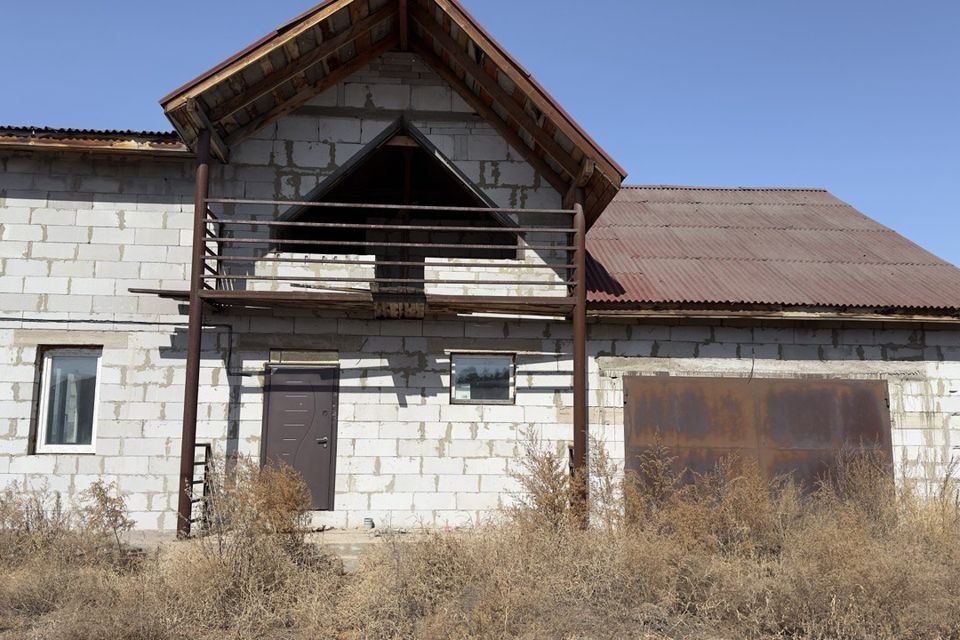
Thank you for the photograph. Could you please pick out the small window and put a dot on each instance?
(482, 379)
(68, 401)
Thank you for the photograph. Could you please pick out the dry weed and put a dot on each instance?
(726, 555)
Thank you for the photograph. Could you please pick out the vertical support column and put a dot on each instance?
(194, 336)
(580, 426)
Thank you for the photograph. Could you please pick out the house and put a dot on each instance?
(377, 249)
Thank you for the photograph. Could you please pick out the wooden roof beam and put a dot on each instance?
(403, 14)
(360, 9)
(520, 77)
(273, 81)
(487, 112)
(355, 64)
(498, 93)
(201, 121)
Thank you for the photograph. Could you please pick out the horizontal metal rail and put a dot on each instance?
(381, 280)
(393, 263)
(397, 227)
(390, 207)
(416, 245)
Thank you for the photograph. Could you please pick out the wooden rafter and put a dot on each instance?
(275, 80)
(508, 67)
(200, 121)
(175, 101)
(404, 17)
(497, 92)
(297, 100)
(487, 112)
(358, 11)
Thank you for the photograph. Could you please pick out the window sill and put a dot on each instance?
(66, 450)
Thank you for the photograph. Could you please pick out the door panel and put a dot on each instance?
(787, 426)
(300, 427)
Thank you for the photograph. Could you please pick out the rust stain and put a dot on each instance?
(787, 426)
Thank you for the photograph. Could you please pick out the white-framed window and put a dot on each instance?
(69, 395)
(477, 378)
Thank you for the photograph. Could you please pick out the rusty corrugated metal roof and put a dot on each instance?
(115, 140)
(739, 246)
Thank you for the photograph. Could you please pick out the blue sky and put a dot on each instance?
(859, 96)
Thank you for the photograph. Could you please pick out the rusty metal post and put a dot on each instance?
(580, 426)
(194, 337)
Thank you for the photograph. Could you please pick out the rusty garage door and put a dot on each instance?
(793, 426)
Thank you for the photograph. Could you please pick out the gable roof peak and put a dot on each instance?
(323, 46)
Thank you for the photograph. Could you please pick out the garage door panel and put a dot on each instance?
(691, 413)
(787, 426)
(804, 465)
(797, 417)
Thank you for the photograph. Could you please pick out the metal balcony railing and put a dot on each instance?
(518, 253)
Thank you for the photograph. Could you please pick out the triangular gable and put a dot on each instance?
(330, 42)
(401, 129)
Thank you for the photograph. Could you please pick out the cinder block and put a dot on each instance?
(468, 448)
(21, 232)
(46, 285)
(252, 151)
(432, 501)
(74, 235)
(293, 127)
(478, 501)
(418, 447)
(442, 465)
(93, 286)
(340, 130)
(412, 483)
(486, 147)
(461, 413)
(391, 501)
(486, 466)
(312, 155)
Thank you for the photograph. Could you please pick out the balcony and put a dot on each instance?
(389, 260)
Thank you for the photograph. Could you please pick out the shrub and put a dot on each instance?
(728, 554)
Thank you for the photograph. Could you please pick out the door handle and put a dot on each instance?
(323, 441)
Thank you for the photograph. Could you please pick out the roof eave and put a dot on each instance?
(757, 312)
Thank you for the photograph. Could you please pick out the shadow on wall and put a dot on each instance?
(775, 340)
(241, 358)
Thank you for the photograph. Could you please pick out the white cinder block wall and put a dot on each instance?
(76, 232)
(405, 455)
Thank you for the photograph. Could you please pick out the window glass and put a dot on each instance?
(482, 378)
(68, 409)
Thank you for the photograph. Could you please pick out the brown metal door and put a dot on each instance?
(301, 426)
(788, 426)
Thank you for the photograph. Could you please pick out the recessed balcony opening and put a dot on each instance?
(402, 167)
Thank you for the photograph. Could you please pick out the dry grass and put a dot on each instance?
(729, 555)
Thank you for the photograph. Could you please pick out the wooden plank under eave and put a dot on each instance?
(253, 56)
(517, 76)
(404, 18)
(301, 97)
(485, 111)
(492, 86)
(360, 9)
(277, 78)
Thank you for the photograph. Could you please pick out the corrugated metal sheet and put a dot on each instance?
(113, 140)
(89, 134)
(797, 247)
